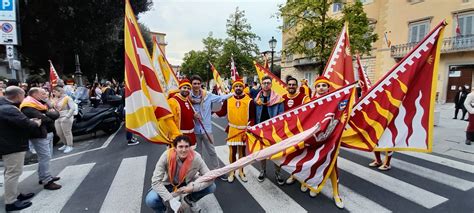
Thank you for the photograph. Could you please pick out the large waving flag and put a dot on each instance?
(339, 69)
(53, 75)
(146, 107)
(217, 78)
(277, 84)
(396, 114)
(164, 72)
(364, 81)
(310, 161)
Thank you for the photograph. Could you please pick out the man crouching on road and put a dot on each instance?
(174, 175)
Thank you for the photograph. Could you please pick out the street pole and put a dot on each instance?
(271, 66)
(272, 44)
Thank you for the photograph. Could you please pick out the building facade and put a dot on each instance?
(400, 25)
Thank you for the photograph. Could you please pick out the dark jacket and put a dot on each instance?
(47, 121)
(15, 128)
(460, 98)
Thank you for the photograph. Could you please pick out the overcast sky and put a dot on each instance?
(187, 22)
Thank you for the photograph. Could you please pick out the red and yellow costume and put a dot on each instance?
(305, 89)
(292, 101)
(240, 111)
(183, 113)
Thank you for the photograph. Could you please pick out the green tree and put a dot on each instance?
(313, 32)
(196, 63)
(59, 29)
(240, 44)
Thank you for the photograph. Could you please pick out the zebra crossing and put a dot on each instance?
(128, 189)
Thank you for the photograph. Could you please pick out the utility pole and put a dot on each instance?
(9, 34)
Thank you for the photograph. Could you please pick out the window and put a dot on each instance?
(289, 57)
(466, 23)
(418, 30)
(465, 1)
(310, 77)
(336, 7)
(364, 2)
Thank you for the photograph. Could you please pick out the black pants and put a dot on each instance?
(464, 111)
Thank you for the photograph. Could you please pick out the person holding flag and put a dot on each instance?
(322, 86)
(268, 104)
(183, 111)
(240, 111)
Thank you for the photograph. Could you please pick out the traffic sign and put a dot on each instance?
(10, 52)
(8, 33)
(8, 10)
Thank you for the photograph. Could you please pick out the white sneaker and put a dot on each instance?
(33, 151)
(68, 149)
(339, 202)
(313, 194)
(290, 180)
(304, 188)
(62, 148)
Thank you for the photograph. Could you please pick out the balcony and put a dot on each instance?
(449, 45)
(299, 62)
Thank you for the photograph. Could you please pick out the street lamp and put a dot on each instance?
(272, 43)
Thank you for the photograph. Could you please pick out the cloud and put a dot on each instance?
(186, 23)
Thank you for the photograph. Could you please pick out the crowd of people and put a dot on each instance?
(30, 117)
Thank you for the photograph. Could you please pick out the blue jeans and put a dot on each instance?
(44, 149)
(154, 201)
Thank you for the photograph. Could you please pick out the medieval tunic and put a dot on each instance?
(183, 115)
(305, 90)
(292, 101)
(240, 111)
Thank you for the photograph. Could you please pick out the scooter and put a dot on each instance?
(91, 120)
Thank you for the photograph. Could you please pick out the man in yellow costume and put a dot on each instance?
(240, 111)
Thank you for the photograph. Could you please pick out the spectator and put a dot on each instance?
(66, 107)
(108, 92)
(36, 106)
(95, 95)
(254, 90)
(175, 174)
(468, 104)
(14, 129)
(459, 102)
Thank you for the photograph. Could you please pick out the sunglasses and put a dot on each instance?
(292, 85)
(267, 82)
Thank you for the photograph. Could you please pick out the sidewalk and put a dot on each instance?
(449, 135)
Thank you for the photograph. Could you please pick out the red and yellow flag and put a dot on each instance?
(164, 72)
(277, 84)
(217, 78)
(339, 69)
(53, 75)
(312, 160)
(396, 114)
(147, 111)
(364, 81)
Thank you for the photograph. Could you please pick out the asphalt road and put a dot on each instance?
(103, 174)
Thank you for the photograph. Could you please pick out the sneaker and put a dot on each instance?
(243, 177)
(231, 177)
(62, 148)
(279, 179)
(54, 180)
(261, 176)
(375, 164)
(52, 186)
(133, 142)
(17, 205)
(33, 151)
(468, 142)
(338, 202)
(223, 177)
(23, 197)
(290, 180)
(68, 149)
(304, 188)
(384, 167)
(313, 194)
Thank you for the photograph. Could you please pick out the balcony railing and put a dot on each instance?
(449, 45)
(304, 61)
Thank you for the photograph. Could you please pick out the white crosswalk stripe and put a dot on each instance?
(54, 201)
(442, 161)
(279, 201)
(433, 175)
(125, 193)
(23, 176)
